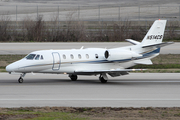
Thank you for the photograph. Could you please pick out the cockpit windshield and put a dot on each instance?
(34, 56)
(30, 56)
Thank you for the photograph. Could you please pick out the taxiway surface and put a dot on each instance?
(26, 48)
(134, 90)
(91, 10)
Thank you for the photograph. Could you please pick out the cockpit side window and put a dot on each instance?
(37, 57)
(42, 57)
(30, 56)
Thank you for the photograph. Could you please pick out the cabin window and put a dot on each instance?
(30, 56)
(64, 56)
(42, 57)
(72, 57)
(37, 57)
(96, 55)
(87, 56)
(79, 56)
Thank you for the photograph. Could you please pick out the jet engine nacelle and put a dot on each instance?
(112, 55)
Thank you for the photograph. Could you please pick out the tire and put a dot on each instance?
(73, 77)
(20, 80)
(102, 80)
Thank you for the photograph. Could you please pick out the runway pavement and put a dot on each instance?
(134, 90)
(25, 48)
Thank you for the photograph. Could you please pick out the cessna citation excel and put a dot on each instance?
(94, 61)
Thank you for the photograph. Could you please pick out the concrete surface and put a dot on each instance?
(89, 10)
(134, 90)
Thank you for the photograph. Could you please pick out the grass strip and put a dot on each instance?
(93, 113)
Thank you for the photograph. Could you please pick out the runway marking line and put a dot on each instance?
(89, 99)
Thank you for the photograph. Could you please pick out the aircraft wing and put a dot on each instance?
(106, 71)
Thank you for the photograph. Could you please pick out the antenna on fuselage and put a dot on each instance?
(82, 47)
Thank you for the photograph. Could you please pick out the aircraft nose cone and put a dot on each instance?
(14, 67)
(8, 68)
(11, 68)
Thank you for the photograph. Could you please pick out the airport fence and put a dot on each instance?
(84, 23)
(93, 13)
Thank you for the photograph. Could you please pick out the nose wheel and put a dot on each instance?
(20, 80)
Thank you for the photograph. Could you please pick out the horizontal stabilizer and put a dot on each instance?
(143, 61)
(133, 41)
(158, 45)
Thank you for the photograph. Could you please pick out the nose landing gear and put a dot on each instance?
(20, 80)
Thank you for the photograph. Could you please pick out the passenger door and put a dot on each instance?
(56, 61)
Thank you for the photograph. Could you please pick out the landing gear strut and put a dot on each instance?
(73, 77)
(103, 78)
(20, 80)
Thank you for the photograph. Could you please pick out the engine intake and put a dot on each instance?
(106, 54)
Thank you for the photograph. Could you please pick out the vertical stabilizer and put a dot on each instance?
(155, 34)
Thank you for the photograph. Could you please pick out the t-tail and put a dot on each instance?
(151, 43)
(155, 35)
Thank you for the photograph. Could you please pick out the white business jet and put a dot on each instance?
(94, 61)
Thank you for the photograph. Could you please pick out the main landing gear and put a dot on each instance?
(20, 80)
(73, 77)
(103, 78)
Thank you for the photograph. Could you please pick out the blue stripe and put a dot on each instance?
(152, 53)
